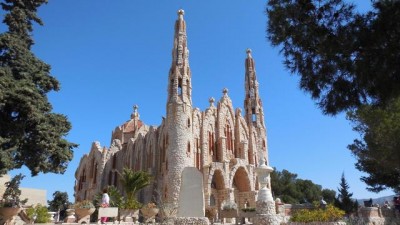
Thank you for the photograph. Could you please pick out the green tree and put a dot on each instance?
(11, 196)
(133, 182)
(283, 186)
(290, 189)
(30, 134)
(59, 203)
(329, 195)
(379, 152)
(348, 62)
(344, 201)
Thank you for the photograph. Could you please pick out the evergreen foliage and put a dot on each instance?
(349, 62)
(290, 189)
(30, 134)
(11, 196)
(59, 203)
(344, 200)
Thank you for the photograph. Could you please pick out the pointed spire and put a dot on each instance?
(180, 51)
(180, 84)
(249, 61)
(253, 103)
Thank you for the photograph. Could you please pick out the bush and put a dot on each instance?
(229, 205)
(38, 214)
(250, 209)
(330, 214)
(85, 204)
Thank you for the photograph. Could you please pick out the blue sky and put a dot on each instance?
(109, 55)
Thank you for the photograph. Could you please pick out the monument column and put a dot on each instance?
(265, 205)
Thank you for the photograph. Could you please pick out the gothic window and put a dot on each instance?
(114, 164)
(84, 175)
(188, 148)
(95, 174)
(92, 168)
(115, 178)
(228, 135)
(187, 87)
(188, 122)
(264, 143)
(253, 115)
(171, 87)
(180, 86)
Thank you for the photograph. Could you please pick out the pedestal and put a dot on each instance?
(266, 213)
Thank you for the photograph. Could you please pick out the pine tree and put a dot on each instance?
(344, 200)
(348, 62)
(30, 134)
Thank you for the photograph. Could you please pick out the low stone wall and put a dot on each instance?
(317, 223)
(191, 220)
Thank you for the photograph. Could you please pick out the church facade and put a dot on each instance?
(223, 143)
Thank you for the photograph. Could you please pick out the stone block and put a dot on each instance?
(191, 197)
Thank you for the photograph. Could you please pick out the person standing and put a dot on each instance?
(105, 202)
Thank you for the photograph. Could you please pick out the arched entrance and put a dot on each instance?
(217, 186)
(242, 188)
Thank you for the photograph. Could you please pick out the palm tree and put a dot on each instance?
(133, 182)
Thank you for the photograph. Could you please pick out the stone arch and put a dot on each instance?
(241, 180)
(216, 186)
(217, 180)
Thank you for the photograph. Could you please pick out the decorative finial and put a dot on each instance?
(248, 51)
(211, 101)
(225, 91)
(135, 113)
(181, 12)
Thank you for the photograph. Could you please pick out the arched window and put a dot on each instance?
(187, 87)
(114, 164)
(95, 174)
(180, 86)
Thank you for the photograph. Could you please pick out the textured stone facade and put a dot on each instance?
(224, 145)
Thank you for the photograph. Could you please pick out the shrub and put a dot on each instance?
(330, 214)
(250, 209)
(85, 204)
(229, 205)
(38, 214)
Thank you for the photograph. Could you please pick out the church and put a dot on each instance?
(223, 143)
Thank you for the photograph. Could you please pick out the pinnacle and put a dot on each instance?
(181, 12)
(248, 51)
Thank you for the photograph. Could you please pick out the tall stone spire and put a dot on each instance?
(179, 120)
(254, 113)
(180, 87)
(252, 102)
